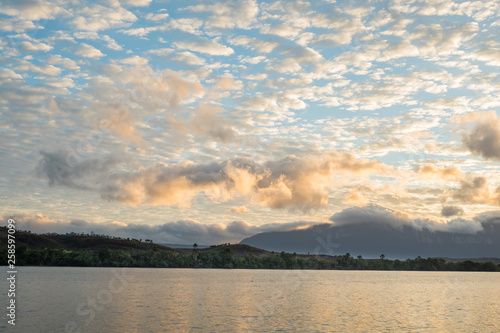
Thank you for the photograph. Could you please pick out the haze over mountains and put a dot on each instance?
(374, 230)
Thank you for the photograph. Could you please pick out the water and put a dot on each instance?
(69, 299)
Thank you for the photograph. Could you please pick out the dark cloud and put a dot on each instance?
(371, 213)
(484, 139)
(68, 168)
(378, 215)
(475, 190)
(176, 232)
(448, 211)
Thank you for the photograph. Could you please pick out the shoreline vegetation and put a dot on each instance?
(91, 250)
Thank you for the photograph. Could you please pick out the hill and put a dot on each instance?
(93, 242)
(373, 239)
(74, 241)
(107, 251)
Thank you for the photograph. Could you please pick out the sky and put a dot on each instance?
(211, 121)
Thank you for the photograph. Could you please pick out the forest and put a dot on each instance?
(94, 250)
(226, 258)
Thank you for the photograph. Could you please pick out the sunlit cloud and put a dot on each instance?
(275, 112)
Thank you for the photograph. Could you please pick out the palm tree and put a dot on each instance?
(195, 253)
(382, 256)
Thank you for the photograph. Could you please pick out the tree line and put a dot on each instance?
(226, 258)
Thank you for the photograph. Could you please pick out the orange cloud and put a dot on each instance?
(292, 182)
(355, 198)
(240, 210)
(120, 121)
(474, 117)
(447, 173)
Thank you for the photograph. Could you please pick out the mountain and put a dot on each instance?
(373, 239)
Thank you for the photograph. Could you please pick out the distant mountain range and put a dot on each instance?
(373, 239)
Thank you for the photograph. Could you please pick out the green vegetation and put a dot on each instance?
(104, 251)
(226, 259)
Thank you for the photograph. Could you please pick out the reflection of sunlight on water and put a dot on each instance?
(199, 300)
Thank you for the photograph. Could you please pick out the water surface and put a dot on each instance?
(72, 299)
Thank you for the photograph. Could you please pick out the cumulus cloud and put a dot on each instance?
(305, 183)
(209, 47)
(240, 209)
(137, 3)
(490, 56)
(135, 86)
(476, 190)
(69, 168)
(31, 9)
(175, 232)
(189, 58)
(484, 139)
(356, 198)
(229, 14)
(370, 214)
(292, 182)
(88, 51)
(262, 46)
(448, 211)
(120, 121)
(447, 173)
(156, 17)
(97, 17)
(205, 121)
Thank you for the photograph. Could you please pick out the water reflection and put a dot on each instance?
(209, 300)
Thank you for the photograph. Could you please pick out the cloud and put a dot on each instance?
(476, 190)
(31, 9)
(448, 211)
(484, 139)
(370, 214)
(206, 122)
(67, 63)
(209, 47)
(176, 232)
(292, 182)
(281, 30)
(141, 89)
(229, 14)
(305, 183)
(97, 17)
(189, 25)
(378, 215)
(18, 26)
(140, 32)
(137, 3)
(88, 51)
(490, 56)
(6, 73)
(189, 59)
(120, 121)
(356, 198)
(473, 117)
(240, 210)
(447, 173)
(67, 167)
(30, 44)
(156, 17)
(401, 50)
(262, 46)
